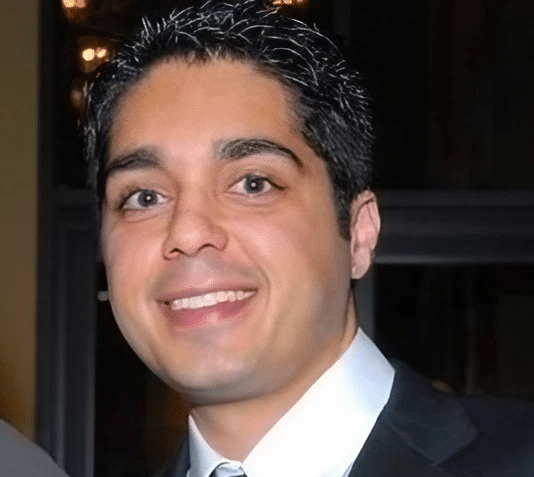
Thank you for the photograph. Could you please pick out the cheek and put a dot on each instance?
(127, 257)
(299, 245)
(271, 241)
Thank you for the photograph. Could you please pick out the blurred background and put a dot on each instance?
(452, 289)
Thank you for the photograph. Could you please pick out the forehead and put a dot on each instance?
(180, 102)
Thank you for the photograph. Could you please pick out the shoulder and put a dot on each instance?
(495, 415)
(464, 435)
(20, 456)
(505, 436)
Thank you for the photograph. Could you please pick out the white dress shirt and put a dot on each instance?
(323, 433)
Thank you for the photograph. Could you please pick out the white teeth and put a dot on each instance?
(209, 299)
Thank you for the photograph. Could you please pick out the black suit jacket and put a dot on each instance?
(20, 457)
(423, 432)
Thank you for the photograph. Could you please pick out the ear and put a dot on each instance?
(364, 229)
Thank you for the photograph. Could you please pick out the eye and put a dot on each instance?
(142, 199)
(254, 184)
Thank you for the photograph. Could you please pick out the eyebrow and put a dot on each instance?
(148, 158)
(143, 158)
(243, 147)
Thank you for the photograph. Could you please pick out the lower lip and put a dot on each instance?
(208, 316)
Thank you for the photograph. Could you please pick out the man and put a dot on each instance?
(21, 457)
(230, 148)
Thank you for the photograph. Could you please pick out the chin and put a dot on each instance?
(208, 382)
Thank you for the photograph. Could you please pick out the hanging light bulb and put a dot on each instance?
(74, 3)
(101, 52)
(88, 54)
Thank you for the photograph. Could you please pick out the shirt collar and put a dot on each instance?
(343, 404)
(203, 458)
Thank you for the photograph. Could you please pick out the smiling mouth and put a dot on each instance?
(209, 299)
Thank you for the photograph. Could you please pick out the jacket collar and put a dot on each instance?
(419, 429)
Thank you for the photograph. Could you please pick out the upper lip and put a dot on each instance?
(187, 291)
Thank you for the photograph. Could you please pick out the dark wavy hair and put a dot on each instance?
(328, 102)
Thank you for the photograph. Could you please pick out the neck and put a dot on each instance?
(234, 428)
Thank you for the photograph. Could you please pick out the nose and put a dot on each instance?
(193, 227)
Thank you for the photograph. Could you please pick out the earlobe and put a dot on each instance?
(364, 230)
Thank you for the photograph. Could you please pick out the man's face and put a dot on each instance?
(226, 271)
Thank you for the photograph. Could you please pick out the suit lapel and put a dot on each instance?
(419, 429)
(386, 454)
